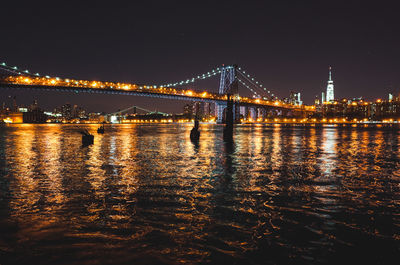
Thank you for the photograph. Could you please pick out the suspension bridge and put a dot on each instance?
(231, 77)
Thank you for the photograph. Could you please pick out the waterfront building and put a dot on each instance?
(34, 116)
(358, 109)
(97, 117)
(385, 109)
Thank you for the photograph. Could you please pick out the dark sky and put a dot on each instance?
(287, 45)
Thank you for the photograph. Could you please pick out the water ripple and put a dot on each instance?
(144, 194)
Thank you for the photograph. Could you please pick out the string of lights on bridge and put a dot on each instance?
(255, 94)
(212, 73)
(14, 69)
(26, 79)
(247, 78)
(256, 85)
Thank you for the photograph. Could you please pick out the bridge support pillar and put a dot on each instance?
(229, 121)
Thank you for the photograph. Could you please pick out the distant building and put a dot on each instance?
(15, 106)
(330, 96)
(316, 101)
(34, 116)
(294, 98)
(66, 111)
(189, 110)
(385, 110)
(33, 106)
(390, 97)
(98, 117)
(206, 109)
(201, 109)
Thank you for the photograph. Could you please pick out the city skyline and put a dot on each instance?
(66, 97)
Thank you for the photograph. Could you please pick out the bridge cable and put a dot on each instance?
(255, 83)
(15, 70)
(254, 92)
(194, 79)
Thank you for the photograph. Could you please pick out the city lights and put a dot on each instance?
(336, 111)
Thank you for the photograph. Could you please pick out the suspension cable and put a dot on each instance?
(256, 84)
(16, 70)
(254, 92)
(195, 78)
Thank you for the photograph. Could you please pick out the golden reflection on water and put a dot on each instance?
(22, 158)
(276, 158)
(50, 166)
(129, 171)
(149, 188)
(328, 157)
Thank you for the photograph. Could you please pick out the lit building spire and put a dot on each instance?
(329, 88)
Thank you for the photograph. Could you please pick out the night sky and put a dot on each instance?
(287, 45)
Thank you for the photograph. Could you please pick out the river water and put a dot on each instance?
(145, 194)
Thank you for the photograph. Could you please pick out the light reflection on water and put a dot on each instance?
(145, 194)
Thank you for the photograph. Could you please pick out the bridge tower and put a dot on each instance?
(228, 84)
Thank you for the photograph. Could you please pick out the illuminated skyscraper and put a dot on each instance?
(329, 88)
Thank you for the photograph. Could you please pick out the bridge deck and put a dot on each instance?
(79, 86)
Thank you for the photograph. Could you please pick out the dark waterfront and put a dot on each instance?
(144, 194)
